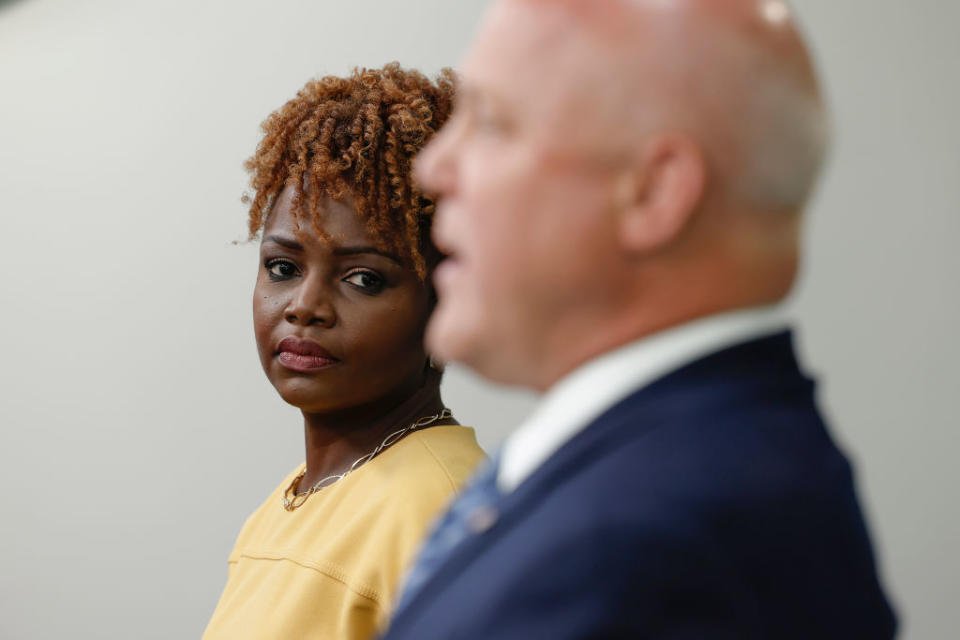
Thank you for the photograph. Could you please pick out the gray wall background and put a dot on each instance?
(136, 429)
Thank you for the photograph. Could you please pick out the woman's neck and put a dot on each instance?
(334, 440)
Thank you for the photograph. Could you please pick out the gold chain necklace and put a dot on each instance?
(299, 499)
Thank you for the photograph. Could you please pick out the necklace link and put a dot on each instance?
(323, 483)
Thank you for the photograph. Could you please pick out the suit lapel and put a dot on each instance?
(691, 389)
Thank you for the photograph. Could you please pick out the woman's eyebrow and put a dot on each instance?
(351, 251)
(284, 241)
(291, 243)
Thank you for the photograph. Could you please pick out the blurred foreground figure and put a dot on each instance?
(621, 193)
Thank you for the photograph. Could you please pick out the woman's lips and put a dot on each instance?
(302, 355)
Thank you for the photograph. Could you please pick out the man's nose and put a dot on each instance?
(434, 166)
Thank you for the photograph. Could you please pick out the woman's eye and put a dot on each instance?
(368, 281)
(281, 269)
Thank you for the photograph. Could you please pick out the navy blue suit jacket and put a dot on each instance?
(711, 504)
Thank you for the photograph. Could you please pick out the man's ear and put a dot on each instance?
(658, 197)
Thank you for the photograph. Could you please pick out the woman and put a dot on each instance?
(340, 305)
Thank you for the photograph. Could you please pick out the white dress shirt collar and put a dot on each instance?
(582, 395)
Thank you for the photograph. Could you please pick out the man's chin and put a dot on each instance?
(446, 336)
(459, 337)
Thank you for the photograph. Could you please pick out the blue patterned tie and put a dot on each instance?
(472, 513)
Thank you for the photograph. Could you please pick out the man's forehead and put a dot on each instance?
(525, 52)
(533, 62)
(602, 19)
(511, 28)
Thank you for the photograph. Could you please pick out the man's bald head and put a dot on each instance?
(736, 74)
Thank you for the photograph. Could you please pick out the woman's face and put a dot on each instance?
(339, 324)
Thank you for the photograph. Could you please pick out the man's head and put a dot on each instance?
(613, 168)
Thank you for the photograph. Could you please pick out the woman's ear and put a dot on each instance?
(657, 198)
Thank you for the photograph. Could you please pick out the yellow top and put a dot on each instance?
(330, 569)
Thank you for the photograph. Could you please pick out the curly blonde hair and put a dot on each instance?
(356, 137)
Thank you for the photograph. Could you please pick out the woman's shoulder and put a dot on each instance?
(451, 451)
(400, 492)
(444, 457)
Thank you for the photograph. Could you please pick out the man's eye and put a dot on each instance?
(487, 121)
(368, 281)
(489, 124)
(281, 269)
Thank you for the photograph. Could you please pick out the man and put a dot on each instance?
(621, 189)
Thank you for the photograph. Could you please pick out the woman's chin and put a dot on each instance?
(309, 400)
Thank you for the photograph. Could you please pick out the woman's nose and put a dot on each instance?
(311, 305)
